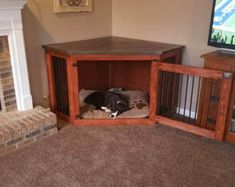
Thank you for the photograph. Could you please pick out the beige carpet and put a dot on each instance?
(120, 156)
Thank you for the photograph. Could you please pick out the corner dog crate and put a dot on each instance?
(152, 67)
(101, 64)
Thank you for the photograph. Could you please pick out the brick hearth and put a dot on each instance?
(20, 128)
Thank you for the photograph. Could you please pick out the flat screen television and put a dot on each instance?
(222, 27)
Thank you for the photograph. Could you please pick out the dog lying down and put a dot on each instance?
(108, 101)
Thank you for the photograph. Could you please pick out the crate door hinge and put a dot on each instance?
(211, 121)
(75, 64)
(214, 98)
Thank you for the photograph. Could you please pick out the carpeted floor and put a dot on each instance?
(120, 156)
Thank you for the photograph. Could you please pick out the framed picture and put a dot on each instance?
(62, 6)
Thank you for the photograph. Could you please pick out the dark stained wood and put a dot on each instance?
(112, 45)
(60, 55)
(93, 75)
(130, 75)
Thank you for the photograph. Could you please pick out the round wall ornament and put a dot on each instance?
(74, 2)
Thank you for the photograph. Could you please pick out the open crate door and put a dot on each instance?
(189, 98)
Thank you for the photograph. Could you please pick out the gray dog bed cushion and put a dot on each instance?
(138, 102)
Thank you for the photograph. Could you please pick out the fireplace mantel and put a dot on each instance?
(11, 26)
(12, 4)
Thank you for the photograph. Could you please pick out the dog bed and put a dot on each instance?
(138, 102)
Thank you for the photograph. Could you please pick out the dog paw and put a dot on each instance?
(114, 115)
(105, 109)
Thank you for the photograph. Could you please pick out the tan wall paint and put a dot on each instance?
(42, 26)
(178, 21)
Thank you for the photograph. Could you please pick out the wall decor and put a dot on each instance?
(62, 6)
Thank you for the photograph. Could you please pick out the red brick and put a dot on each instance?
(16, 126)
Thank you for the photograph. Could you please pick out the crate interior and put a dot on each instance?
(133, 77)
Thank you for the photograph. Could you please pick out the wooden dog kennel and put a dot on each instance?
(113, 62)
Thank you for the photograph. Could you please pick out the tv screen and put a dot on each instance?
(222, 28)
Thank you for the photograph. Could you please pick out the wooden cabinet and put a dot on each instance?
(225, 62)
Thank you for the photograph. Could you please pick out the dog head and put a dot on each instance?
(118, 107)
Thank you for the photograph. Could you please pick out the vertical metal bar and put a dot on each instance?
(60, 84)
(63, 85)
(204, 108)
(66, 85)
(58, 64)
(198, 96)
(191, 99)
(159, 88)
(163, 93)
(209, 106)
(167, 93)
(180, 90)
(56, 82)
(175, 90)
(213, 106)
(170, 90)
(186, 95)
(215, 103)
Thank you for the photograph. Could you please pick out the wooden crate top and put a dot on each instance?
(222, 57)
(112, 45)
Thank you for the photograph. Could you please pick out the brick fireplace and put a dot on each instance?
(14, 83)
(7, 89)
(20, 124)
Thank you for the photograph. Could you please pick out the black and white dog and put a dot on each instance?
(109, 102)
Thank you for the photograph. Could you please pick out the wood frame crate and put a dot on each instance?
(79, 61)
(121, 59)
